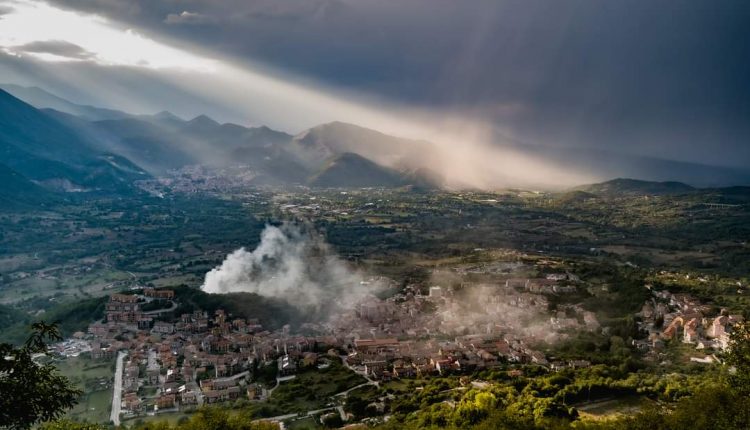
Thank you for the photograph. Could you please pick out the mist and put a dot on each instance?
(463, 150)
(480, 123)
(294, 264)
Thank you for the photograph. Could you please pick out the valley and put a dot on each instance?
(589, 265)
(320, 279)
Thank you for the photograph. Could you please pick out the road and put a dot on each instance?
(117, 389)
(364, 375)
(288, 416)
(346, 393)
(339, 409)
(161, 311)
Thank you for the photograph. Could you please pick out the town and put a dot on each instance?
(167, 363)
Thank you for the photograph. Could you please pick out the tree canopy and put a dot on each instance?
(31, 392)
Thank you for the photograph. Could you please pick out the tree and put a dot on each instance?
(332, 420)
(32, 392)
(213, 419)
(70, 425)
(739, 358)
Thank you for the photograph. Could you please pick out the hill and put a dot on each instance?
(163, 142)
(352, 170)
(49, 153)
(607, 164)
(17, 192)
(574, 196)
(39, 98)
(624, 186)
(320, 143)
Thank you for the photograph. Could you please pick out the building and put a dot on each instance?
(287, 366)
(165, 401)
(163, 327)
(376, 346)
(123, 308)
(158, 294)
(375, 367)
(132, 403)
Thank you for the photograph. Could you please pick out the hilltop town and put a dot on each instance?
(169, 362)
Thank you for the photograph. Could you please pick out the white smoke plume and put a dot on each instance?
(290, 264)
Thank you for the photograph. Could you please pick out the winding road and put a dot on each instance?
(161, 311)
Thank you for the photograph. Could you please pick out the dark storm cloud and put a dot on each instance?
(59, 48)
(188, 18)
(663, 78)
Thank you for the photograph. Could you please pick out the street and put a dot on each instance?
(117, 393)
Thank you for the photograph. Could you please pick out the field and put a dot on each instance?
(307, 423)
(312, 389)
(173, 418)
(95, 378)
(607, 408)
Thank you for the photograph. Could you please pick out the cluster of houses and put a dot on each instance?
(491, 324)
(195, 360)
(199, 358)
(387, 358)
(667, 316)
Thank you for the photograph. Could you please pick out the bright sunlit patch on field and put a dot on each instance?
(52, 34)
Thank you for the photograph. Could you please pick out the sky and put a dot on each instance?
(663, 79)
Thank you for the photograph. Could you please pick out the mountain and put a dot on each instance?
(49, 153)
(338, 150)
(202, 123)
(318, 157)
(353, 170)
(18, 192)
(624, 186)
(164, 118)
(163, 141)
(153, 146)
(40, 99)
(318, 144)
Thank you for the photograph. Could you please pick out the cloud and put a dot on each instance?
(40, 27)
(5, 9)
(289, 9)
(188, 18)
(659, 80)
(113, 8)
(58, 48)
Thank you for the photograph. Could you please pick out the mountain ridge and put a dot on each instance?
(46, 151)
(163, 141)
(630, 186)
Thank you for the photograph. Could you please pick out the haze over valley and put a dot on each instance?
(415, 214)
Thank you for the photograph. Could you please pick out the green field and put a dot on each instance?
(607, 408)
(313, 389)
(307, 423)
(95, 379)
